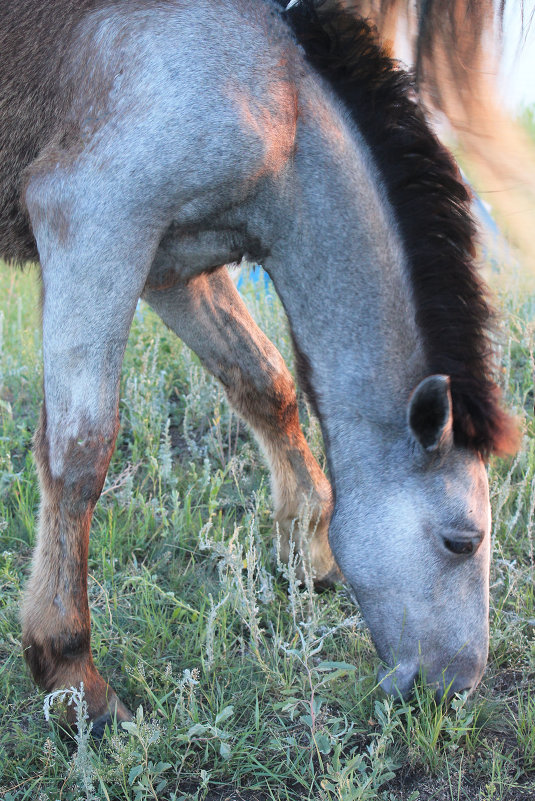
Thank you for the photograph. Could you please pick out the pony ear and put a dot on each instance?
(430, 415)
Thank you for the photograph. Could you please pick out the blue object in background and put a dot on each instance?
(496, 249)
(255, 274)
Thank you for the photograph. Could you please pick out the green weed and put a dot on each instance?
(247, 684)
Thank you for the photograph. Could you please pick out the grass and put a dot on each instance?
(245, 685)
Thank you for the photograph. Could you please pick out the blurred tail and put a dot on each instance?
(455, 49)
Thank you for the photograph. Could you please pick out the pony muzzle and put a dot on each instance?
(400, 680)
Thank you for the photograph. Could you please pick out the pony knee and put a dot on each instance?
(85, 464)
(73, 469)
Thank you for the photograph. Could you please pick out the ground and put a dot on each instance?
(246, 685)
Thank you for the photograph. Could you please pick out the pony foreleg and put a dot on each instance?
(89, 298)
(55, 616)
(209, 315)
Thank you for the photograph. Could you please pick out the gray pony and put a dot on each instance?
(144, 144)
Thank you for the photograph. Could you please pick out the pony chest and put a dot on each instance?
(184, 253)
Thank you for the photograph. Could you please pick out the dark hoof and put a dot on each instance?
(99, 725)
(328, 581)
(121, 715)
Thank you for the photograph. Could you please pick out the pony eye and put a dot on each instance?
(463, 547)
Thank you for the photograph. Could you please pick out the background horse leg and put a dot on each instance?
(89, 298)
(209, 315)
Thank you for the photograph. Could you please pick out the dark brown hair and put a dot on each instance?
(35, 38)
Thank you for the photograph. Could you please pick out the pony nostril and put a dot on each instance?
(459, 685)
(397, 680)
(462, 676)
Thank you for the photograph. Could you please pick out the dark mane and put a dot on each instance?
(431, 205)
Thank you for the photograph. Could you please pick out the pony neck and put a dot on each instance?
(340, 273)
